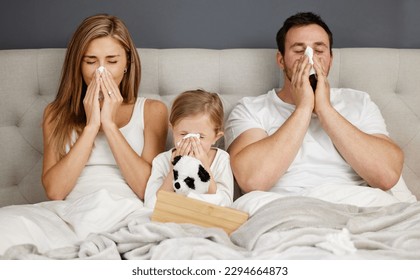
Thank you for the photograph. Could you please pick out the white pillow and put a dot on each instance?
(362, 196)
(401, 192)
(343, 194)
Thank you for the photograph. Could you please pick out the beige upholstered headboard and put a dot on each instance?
(29, 81)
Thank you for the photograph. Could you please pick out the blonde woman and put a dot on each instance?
(93, 113)
(99, 142)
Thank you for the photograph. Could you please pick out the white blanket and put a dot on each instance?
(278, 228)
(139, 240)
(56, 224)
(309, 228)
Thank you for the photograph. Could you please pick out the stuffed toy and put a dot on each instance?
(189, 175)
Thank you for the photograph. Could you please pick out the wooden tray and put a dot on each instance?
(175, 208)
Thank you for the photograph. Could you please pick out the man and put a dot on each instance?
(295, 138)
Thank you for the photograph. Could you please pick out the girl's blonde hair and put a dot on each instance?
(66, 112)
(194, 102)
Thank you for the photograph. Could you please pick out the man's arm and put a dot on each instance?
(376, 158)
(258, 160)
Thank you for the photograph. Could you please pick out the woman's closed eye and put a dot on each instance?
(90, 62)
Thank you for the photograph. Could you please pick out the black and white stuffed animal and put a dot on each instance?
(189, 175)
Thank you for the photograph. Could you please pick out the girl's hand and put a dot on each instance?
(112, 99)
(183, 148)
(91, 103)
(198, 152)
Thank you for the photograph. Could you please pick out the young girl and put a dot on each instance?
(195, 112)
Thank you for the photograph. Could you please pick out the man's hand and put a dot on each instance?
(322, 92)
(302, 92)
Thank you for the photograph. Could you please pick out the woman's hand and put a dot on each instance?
(112, 99)
(91, 103)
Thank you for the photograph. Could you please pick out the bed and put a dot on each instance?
(352, 223)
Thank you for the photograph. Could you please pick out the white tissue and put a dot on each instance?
(309, 52)
(101, 69)
(196, 135)
(338, 243)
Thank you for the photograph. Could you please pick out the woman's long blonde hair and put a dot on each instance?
(66, 112)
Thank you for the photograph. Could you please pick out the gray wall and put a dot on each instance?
(214, 24)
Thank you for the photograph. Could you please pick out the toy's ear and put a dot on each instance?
(176, 159)
(203, 174)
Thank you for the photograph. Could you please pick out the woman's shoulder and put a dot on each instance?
(48, 110)
(155, 106)
(155, 114)
(48, 114)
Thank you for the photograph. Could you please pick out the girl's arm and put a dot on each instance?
(223, 179)
(160, 179)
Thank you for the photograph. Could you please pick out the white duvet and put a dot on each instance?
(55, 224)
(326, 222)
(360, 196)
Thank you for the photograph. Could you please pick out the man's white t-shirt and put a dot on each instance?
(317, 161)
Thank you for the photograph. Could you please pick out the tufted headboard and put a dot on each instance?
(29, 81)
